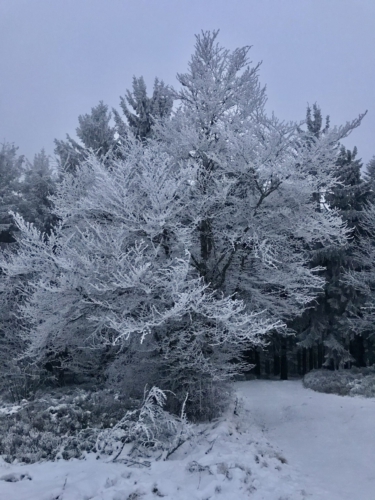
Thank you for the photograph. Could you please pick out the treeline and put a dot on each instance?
(336, 329)
(177, 245)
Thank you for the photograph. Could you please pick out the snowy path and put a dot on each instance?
(329, 439)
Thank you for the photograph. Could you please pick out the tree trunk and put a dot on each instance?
(284, 360)
(257, 369)
(276, 365)
(311, 359)
(299, 362)
(205, 235)
(267, 367)
(316, 353)
(304, 361)
(320, 355)
(357, 350)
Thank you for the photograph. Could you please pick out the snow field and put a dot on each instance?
(228, 459)
(330, 439)
(279, 441)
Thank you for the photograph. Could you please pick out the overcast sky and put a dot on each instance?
(59, 58)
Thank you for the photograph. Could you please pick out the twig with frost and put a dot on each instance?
(184, 427)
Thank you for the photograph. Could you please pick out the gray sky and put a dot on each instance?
(59, 58)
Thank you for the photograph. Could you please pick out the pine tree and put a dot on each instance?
(94, 132)
(11, 170)
(146, 109)
(327, 322)
(369, 177)
(361, 278)
(38, 185)
(98, 135)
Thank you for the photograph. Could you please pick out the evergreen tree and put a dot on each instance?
(97, 135)
(314, 123)
(369, 177)
(326, 325)
(26, 188)
(94, 132)
(11, 170)
(361, 277)
(38, 185)
(146, 109)
(370, 170)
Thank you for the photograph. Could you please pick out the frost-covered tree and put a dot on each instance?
(190, 247)
(325, 326)
(259, 191)
(362, 278)
(369, 178)
(370, 170)
(11, 170)
(254, 202)
(30, 198)
(116, 273)
(38, 185)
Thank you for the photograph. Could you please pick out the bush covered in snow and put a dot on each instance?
(147, 430)
(67, 423)
(18, 383)
(63, 423)
(354, 382)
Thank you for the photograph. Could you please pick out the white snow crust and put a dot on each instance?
(283, 442)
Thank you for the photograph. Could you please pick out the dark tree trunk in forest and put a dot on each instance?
(276, 365)
(315, 361)
(320, 355)
(304, 361)
(299, 362)
(267, 367)
(311, 359)
(357, 350)
(205, 236)
(257, 369)
(284, 360)
(331, 365)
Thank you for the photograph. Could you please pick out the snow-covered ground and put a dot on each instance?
(329, 439)
(283, 443)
